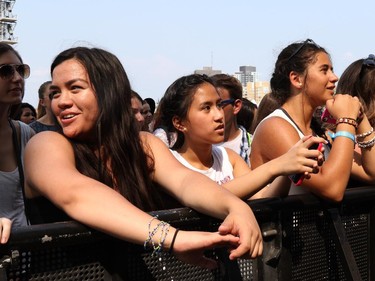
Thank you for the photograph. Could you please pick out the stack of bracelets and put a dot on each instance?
(366, 144)
(356, 138)
(164, 229)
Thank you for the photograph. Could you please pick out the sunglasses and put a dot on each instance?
(370, 61)
(7, 71)
(302, 45)
(223, 103)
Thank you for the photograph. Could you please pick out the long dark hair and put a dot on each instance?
(358, 80)
(117, 135)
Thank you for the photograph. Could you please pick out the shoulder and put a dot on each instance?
(46, 141)
(26, 129)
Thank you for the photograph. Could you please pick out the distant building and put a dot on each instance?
(207, 70)
(8, 22)
(255, 91)
(247, 74)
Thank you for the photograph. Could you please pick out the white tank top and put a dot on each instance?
(11, 197)
(221, 170)
(281, 114)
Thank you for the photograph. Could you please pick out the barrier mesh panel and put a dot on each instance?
(313, 250)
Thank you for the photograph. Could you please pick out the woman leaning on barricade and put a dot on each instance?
(101, 170)
(303, 80)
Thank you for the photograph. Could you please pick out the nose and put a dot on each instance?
(17, 76)
(63, 100)
(219, 114)
(139, 117)
(334, 78)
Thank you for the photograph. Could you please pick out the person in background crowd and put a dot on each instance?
(13, 136)
(358, 80)
(266, 106)
(246, 115)
(46, 119)
(147, 116)
(236, 137)
(137, 107)
(24, 112)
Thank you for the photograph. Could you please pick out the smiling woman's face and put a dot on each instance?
(74, 101)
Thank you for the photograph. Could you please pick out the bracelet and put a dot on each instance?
(173, 240)
(151, 233)
(363, 135)
(347, 120)
(342, 134)
(367, 144)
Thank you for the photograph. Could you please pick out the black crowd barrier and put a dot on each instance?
(304, 239)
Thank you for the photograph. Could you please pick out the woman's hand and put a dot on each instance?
(301, 158)
(344, 106)
(190, 246)
(5, 227)
(245, 226)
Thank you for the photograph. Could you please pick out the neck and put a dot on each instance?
(199, 156)
(300, 111)
(47, 119)
(231, 131)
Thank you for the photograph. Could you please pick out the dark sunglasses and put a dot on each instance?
(223, 103)
(7, 71)
(302, 45)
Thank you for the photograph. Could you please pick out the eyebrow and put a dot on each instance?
(68, 83)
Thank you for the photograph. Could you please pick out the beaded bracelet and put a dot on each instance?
(151, 233)
(367, 144)
(342, 134)
(347, 120)
(365, 134)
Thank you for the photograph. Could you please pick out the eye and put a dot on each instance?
(53, 95)
(206, 108)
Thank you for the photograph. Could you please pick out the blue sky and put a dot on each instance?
(159, 41)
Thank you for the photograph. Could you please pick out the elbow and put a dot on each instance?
(334, 194)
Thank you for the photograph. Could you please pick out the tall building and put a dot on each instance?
(8, 22)
(208, 71)
(247, 74)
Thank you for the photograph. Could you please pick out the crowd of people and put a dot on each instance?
(118, 149)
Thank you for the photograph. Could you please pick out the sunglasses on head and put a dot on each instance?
(302, 45)
(7, 71)
(370, 61)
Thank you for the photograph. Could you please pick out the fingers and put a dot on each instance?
(244, 251)
(344, 106)
(5, 227)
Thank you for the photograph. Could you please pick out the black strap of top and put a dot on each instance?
(290, 118)
(17, 150)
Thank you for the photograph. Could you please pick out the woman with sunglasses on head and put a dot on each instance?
(358, 80)
(105, 174)
(303, 80)
(13, 135)
(193, 108)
